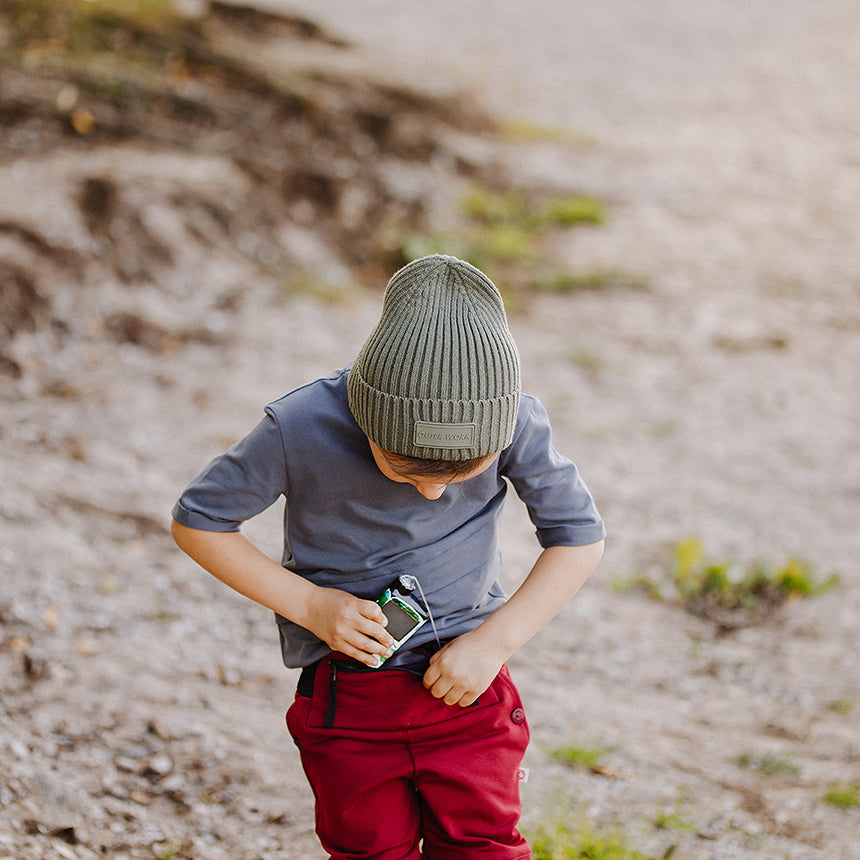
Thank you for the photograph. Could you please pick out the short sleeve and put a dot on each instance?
(237, 485)
(558, 501)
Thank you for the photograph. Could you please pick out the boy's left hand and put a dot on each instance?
(462, 670)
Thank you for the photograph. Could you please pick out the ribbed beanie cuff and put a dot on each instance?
(439, 377)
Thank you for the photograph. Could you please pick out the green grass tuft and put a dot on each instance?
(560, 840)
(726, 592)
(841, 706)
(665, 820)
(844, 795)
(590, 280)
(769, 764)
(531, 213)
(572, 209)
(503, 235)
(575, 756)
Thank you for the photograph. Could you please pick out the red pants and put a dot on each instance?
(397, 766)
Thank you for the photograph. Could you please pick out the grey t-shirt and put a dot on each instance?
(348, 526)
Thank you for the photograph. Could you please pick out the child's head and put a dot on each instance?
(439, 377)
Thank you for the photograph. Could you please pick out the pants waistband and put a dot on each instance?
(415, 660)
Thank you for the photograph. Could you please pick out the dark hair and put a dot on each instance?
(421, 467)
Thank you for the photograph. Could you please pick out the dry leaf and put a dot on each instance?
(83, 122)
(87, 647)
(610, 772)
(51, 617)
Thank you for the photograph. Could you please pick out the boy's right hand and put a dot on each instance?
(350, 625)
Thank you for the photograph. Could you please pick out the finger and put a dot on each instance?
(352, 639)
(373, 611)
(372, 660)
(431, 676)
(368, 624)
(468, 698)
(449, 690)
(381, 638)
(367, 650)
(453, 695)
(458, 696)
(439, 679)
(372, 647)
(442, 689)
(373, 624)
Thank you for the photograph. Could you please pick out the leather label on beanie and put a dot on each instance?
(430, 434)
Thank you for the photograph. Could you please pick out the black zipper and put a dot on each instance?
(328, 722)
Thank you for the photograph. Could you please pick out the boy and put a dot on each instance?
(395, 466)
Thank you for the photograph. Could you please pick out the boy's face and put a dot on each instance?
(429, 487)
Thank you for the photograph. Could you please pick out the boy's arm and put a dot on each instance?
(465, 667)
(345, 623)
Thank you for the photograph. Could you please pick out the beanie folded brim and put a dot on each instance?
(433, 429)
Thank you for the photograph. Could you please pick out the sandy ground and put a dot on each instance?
(143, 704)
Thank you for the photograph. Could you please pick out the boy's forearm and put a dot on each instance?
(466, 666)
(344, 622)
(557, 575)
(232, 558)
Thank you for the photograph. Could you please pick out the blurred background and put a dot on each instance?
(200, 204)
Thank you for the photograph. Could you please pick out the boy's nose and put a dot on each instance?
(430, 491)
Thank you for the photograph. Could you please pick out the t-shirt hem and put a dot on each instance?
(571, 535)
(195, 520)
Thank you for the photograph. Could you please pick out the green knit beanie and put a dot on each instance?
(439, 376)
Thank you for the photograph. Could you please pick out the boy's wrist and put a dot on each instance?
(490, 641)
(302, 604)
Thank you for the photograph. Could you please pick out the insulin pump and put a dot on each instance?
(405, 615)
